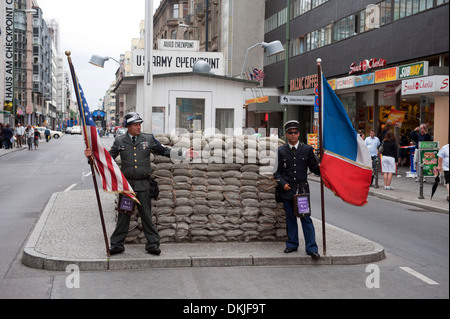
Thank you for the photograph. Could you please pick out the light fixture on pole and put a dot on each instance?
(100, 60)
(182, 25)
(147, 108)
(272, 48)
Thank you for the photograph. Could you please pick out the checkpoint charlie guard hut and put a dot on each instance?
(184, 98)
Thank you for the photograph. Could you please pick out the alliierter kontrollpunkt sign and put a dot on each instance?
(178, 45)
(166, 62)
(8, 40)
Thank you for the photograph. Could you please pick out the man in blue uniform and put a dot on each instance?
(294, 159)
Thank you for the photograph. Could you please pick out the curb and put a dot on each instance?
(197, 255)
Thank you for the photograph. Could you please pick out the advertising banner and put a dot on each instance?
(396, 118)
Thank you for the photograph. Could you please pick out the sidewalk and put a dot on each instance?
(407, 190)
(69, 232)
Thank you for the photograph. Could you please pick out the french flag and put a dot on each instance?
(346, 166)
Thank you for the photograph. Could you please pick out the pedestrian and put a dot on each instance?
(403, 154)
(37, 138)
(362, 134)
(294, 159)
(1, 135)
(420, 134)
(20, 131)
(135, 149)
(389, 159)
(373, 143)
(274, 133)
(30, 137)
(443, 164)
(7, 136)
(48, 136)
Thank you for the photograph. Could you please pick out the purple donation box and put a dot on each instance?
(302, 205)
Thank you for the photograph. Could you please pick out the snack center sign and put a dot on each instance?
(429, 84)
(173, 61)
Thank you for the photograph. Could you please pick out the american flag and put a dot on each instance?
(112, 178)
(257, 75)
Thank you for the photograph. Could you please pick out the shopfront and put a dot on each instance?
(393, 97)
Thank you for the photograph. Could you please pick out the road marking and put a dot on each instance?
(88, 174)
(418, 275)
(70, 188)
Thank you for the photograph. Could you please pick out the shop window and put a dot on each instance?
(191, 114)
(349, 103)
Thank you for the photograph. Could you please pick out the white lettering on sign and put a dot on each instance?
(367, 65)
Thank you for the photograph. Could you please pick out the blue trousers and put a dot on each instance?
(309, 232)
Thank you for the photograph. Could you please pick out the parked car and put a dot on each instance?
(121, 131)
(69, 130)
(54, 134)
(76, 130)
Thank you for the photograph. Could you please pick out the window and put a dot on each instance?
(224, 120)
(191, 114)
(176, 11)
(344, 28)
(158, 120)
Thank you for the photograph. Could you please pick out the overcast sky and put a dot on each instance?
(102, 27)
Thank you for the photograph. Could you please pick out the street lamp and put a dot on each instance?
(146, 109)
(272, 48)
(182, 25)
(100, 60)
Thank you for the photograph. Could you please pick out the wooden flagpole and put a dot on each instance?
(322, 188)
(91, 161)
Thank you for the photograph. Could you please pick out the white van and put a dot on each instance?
(76, 130)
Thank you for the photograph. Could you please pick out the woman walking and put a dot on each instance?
(390, 158)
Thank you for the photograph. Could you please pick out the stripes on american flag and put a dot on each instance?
(113, 181)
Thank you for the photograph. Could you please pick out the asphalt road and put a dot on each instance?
(416, 244)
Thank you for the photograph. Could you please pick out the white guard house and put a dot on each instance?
(199, 100)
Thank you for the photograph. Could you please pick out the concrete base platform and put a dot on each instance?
(69, 232)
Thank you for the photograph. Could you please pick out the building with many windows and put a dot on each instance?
(373, 53)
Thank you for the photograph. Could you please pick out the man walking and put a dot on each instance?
(20, 131)
(134, 149)
(294, 159)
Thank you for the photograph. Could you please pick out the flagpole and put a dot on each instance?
(91, 161)
(322, 188)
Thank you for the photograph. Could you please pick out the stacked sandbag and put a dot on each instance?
(228, 194)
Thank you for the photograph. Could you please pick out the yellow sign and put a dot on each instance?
(251, 101)
(396, 118)
(332, 83)
(264, 99)
(386, 75)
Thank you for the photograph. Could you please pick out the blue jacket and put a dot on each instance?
(293, 169)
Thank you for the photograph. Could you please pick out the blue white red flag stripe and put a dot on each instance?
(113, 180)
(346, 166)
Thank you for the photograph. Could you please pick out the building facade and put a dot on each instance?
(369, 52)
(32, 85)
